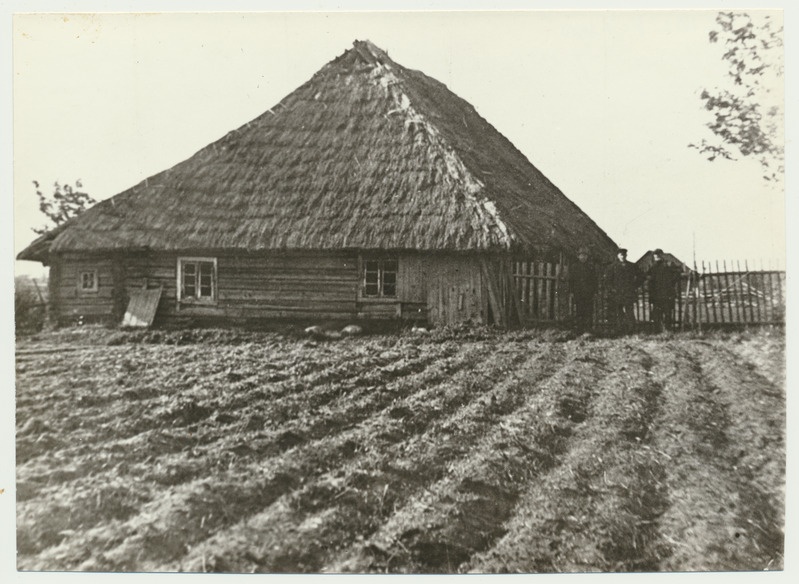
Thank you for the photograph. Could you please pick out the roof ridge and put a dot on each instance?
(370, 52)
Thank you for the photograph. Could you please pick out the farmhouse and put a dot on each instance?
(645, 262)
(370, 192)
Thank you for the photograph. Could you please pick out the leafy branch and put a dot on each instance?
(63, 204)
(748, 116)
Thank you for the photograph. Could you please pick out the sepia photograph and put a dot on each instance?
(442, 290)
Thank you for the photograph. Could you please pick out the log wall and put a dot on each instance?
(440, 289)
(73, 304)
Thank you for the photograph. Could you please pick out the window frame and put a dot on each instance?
(95, 281)
(381, 278)
(183, 261)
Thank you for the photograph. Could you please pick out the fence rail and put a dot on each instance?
(716, 293)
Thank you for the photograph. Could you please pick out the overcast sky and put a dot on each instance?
(604, 103)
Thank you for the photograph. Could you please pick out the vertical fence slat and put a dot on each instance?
(708, 292)
(713, 294)
(758, 292)
(739, 279)
(728, 295)
(549, 291)
(531, 290)
(746, 292)
(545, 279)
(555, 290)
(546, 291)
(525, 267)
(533, 293)
(734, 297)
(769, 303)
(558, 315)
(640, 303)
(776, 302)
(719, 289)
(710, 299)
(714, 286)
(746, 302)
(702, 295)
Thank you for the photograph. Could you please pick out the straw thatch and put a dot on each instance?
(367, 154)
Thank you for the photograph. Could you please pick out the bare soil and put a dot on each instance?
(464, 450)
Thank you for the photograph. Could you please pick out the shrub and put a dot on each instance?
(30, 310)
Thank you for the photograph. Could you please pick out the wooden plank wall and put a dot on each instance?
(447, 287)
(454, 289)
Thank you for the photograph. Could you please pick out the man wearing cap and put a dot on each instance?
(623, 279)
(583, 283)
(662, 280)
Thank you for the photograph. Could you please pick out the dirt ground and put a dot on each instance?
(464, 450)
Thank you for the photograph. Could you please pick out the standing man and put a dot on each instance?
(583, 283)
(623, 279)
(662, 280)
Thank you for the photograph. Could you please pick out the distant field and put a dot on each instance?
(469, 451)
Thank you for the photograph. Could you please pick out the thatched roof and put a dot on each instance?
(38, 250)
(366, 154)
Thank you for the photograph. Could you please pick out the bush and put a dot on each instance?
(30, 311)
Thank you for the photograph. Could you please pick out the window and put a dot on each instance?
(87, 281)
(380, 278)
(197, 280)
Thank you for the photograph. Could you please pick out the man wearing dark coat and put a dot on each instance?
(662, 280)
(623, 279)
(583, 283)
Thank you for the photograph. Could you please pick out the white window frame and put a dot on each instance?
(196, 299)
(95, 281)
(381, 260)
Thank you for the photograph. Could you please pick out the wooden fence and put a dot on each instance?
(717, 293)
(722, 293)
(542, 290)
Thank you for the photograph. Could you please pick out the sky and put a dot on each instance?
(604, 103)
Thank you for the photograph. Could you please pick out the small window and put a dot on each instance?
(197, 280)
(87, 281)
(380, 278)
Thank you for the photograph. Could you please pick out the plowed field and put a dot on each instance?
(458, 451)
